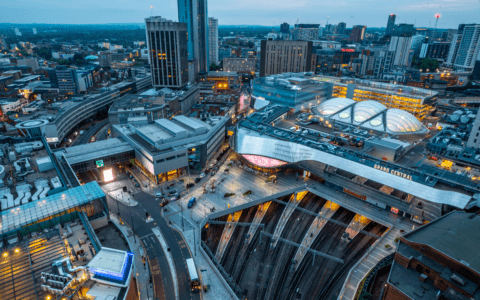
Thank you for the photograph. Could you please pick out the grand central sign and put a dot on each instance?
(394, 172)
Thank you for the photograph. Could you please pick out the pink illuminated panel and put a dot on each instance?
(264, 162)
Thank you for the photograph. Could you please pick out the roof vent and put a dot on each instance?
(423, 277)
(457, 279)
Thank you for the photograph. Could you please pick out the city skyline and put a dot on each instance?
(352, 12)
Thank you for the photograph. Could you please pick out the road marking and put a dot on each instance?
(146, 235)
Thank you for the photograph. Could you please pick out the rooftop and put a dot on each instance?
(462, 241)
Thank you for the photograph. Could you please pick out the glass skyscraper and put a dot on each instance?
(195, 14)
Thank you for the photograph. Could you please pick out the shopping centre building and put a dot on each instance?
(369, 153)
(303, 90)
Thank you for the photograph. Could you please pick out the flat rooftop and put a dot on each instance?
(462, 242)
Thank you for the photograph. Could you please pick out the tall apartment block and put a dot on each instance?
(167, 46)
(285, 28)
(341, 28)
(358, 33)
(464, 48)
(194, 14)
(391, 24)
(279, 56)
(306, 32)
(402, 48)
(213, 40)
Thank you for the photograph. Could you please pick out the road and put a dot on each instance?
(135, 217)
(87, 135)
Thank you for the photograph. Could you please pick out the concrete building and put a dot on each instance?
(31, 62)
(474, 138)
(167, 43)
(168, 149)
(66, 79)
(391, 24)
(403, 30)
(213, 40)
(291, 90)
(285, 28)
(341, 28)
(402, 48)
(180, 102)
(194, 14)
(437, 50)
(285, 56)
(144, 108)
(239, 64)
(105, 59)
(65, 116)
(223, 80)
(417, 41)
(357, 34)
(305, 32)
(464, 48)
(437, 261)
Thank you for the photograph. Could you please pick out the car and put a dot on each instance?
(197, 179)
(164, 202)
(213, 173)
(207, 171)
(171, 193)
(226, 170)
(137, 184)
(203, 175)
(190, 184)
(159, 195)
(191, 202)
(293, 129)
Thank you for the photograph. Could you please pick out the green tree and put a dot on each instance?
(428, 64)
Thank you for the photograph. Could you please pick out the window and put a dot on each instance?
(170, 158)
(161, 160)
(181, 155)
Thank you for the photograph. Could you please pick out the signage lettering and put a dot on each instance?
(394, 172)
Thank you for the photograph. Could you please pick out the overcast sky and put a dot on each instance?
(372, 13)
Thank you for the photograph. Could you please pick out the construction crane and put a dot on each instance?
(297, 22)
(273, 26)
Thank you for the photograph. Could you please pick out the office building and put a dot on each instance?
(167, 149)
(402, 48)
(437, 50)
(167, 43)
(437, 261)
(285, 28)
(285, 56)
(194, 14)
(341, 28)
(305, 32)
(464, 48)
(66, 79)
(213, 40)
(391, 24)
(31, 62)
(357, 34)
(224, 52)
(239, 64)
(291, 90)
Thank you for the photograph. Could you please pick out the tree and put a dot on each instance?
(78, 58)
(214, 67)
(427, 64)
(57, 47)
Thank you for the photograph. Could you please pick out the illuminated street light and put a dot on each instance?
(17, 250)
(5, 254)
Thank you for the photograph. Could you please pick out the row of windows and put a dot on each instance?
(170, 158)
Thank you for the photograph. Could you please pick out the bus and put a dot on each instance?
(195, 285)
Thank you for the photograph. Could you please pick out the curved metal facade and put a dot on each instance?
(251, 142)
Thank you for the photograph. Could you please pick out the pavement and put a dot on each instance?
(141, 272)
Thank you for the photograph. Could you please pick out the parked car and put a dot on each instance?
(171, 193)
(213, 173)
(191, 202)
(203, 175)
(159, 195)
(137, 184)
(190, 184)
(198, 179)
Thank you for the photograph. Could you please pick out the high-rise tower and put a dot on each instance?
(167, 47)
(213, 40)
(195, 14)
(391, 24)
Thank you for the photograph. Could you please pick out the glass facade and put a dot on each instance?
(401, 121)
(333, 106)
(89, 198)
(365, 110)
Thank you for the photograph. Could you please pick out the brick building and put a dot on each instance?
(439, 260)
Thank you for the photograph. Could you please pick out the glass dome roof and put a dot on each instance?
(367, 109)
(401, 121)
(334, 105)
